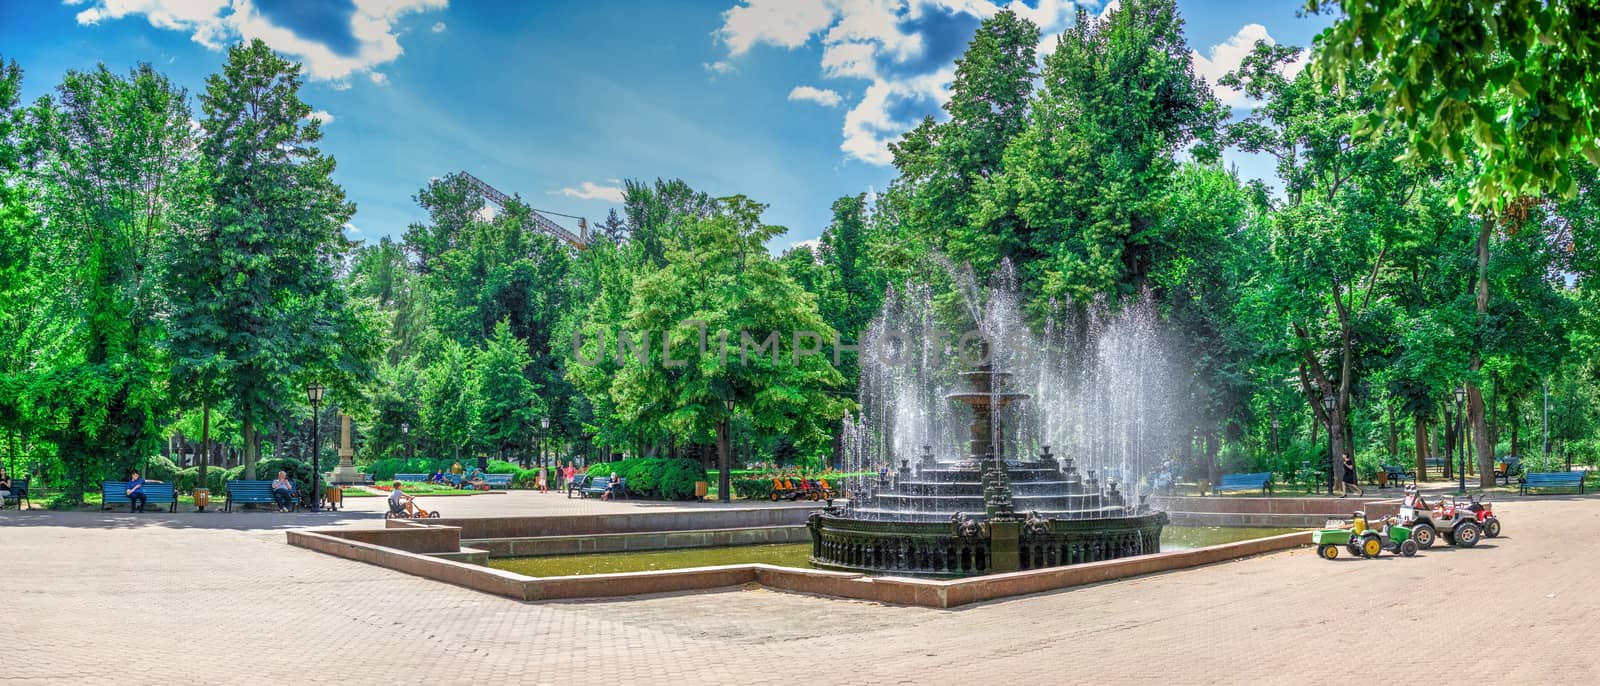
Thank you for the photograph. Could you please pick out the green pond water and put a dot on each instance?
(794, 554)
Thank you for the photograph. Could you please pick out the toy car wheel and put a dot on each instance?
(1371, 547)
(1408, 548)
(1328, 552)
(773, 496)
(1467, 535)
(1491, 528)
(1423, 535)
(433, 515)
(1354, 546)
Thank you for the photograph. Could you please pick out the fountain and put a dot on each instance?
(986, 511)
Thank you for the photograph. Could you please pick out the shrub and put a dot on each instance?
(498, 467)
(754, 489)
(664, 478)
(526, 478)
(299, 472)
(159, 468)
(186, 480)
(385, 469)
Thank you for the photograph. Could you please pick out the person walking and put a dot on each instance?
(135, 492)
(1349, 480)
(539, 481)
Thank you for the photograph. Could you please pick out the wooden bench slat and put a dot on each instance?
(1245, 482)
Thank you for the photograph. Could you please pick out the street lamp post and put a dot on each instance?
(1461, 430)
(544, 423)
(724, 484)
(405, 438)
(1327, 407)
(314, 394)
(1275, 426)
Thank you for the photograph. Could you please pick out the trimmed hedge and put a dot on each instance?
(753, 489)
(187, 479)
(663, 478)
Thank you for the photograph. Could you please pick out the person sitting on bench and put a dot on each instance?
(5, 485)
(135, 492)
(613, 487)
(400, 502)
(282, 490)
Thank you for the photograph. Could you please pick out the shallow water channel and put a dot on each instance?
(795, 554)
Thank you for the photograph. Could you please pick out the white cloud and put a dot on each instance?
(1225, 57)
(351, 228)
(321, 116)
(719, 67)
(438, 27)
(590, 190)
(379, 78)
(814, 246)
(821, 96)
(875, 41)
(216, 23)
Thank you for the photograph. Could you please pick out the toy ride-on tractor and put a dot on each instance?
(1329, 541)
(1388, 535)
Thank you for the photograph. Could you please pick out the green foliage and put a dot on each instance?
(159, 468)
(501, 467)
(1510, 88)
(663, 478)
(752, 489)
(188, 479)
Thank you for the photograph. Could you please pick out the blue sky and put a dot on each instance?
(787, 101)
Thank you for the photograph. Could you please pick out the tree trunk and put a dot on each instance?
(1451, 443)
(1480, 428)
(1420, 434)
(205, 446)
(1394, 432)
(250, 448)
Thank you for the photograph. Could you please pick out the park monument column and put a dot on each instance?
(346, 472)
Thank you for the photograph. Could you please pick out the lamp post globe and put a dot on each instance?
(314, 393)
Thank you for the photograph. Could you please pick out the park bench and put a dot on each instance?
(597, 487)
(1397, 474)
(577, 484)
(19, 493)
(255, 492)
(498, 480)
(1506, 467)
(1534, 480)
(116, 493)
(1433, 464)
(1245, 482)
(413, 478)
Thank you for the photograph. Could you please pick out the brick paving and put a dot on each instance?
(221, 599)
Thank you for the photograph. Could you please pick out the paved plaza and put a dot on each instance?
(220, 598)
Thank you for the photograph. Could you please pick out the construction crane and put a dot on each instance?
(541, 222)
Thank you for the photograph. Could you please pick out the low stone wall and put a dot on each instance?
(895, 590)
(623, 522)
(1292, 513)
(650, 540)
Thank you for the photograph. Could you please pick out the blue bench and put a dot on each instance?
(1245, 482)
(498, 480)
(19, 493)
(1433, 464)
(116, 493)
(258, 492)
(1398, 474)
(1534, 480)
(597, 487)
(414, 478)
(577, 484)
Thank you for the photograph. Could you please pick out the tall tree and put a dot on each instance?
(278, 219)
(113, 153)
(942, 163)
(1119, 100)
(508, 405)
